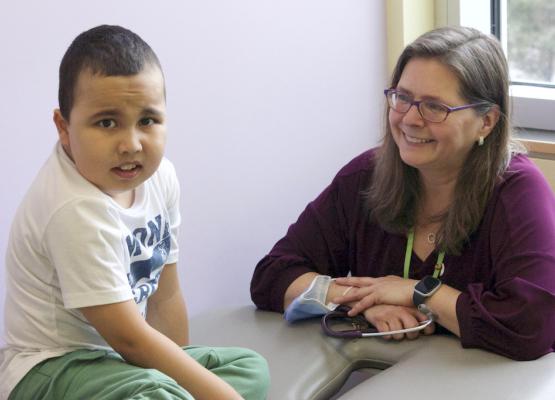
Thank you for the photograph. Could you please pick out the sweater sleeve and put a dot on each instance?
(514, 313)
(317, 242)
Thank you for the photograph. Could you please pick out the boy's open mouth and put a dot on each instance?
(127, 170)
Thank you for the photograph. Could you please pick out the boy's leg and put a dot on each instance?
(99, 374)
(245, 370)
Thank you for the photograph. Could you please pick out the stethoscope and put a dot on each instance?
(339, 324)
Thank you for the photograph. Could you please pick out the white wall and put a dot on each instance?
(267, 99)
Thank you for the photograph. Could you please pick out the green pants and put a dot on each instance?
(104, 375)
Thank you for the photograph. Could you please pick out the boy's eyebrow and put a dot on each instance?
(114, 112)
(110, 112)
(152, 111)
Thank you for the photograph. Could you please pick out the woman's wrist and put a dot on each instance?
(336, 290)
(297, 287)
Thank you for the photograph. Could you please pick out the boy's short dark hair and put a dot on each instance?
(107, 50)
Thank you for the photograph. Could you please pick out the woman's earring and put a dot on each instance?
(481, 141)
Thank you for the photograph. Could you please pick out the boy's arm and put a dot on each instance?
(166, 310)
(122, 326)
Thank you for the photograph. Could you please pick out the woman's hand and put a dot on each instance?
(391, 318)
(368, 292)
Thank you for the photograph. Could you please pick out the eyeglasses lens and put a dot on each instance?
(429, 110)
(433, 112)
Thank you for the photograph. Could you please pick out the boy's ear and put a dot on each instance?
(62, 127)
(489, 120)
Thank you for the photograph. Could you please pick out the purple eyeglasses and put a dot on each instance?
(430, 110)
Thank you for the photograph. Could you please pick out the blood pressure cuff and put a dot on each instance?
(312, 302)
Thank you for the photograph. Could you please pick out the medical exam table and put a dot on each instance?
(307, 365)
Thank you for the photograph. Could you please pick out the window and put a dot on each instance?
(527, 31)
(526, 28)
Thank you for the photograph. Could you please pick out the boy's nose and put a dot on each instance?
(130, 142)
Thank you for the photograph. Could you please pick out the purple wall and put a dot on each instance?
(267, 100)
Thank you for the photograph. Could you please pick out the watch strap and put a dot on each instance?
(420, 293)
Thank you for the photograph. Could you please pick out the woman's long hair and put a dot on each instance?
(481, 68)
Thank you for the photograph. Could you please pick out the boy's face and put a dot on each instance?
(116, 131)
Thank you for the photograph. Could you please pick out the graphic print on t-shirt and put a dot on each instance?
(148, 250)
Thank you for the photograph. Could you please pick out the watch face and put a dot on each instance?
(428, 284)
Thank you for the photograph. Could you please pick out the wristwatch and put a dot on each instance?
(424, 289)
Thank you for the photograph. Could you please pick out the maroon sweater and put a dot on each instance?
(506, 272)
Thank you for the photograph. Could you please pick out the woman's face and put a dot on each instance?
(434, 147)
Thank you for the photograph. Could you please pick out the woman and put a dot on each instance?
(446, 188)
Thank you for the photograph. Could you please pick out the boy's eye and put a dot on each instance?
(106, 123)
(147, 121)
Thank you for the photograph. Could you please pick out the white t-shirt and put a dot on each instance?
(73, 246)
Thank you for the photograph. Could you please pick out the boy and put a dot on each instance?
(93, 306)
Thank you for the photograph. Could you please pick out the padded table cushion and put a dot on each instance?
(307, 365)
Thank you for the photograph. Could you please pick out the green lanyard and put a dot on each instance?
(408, 254)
